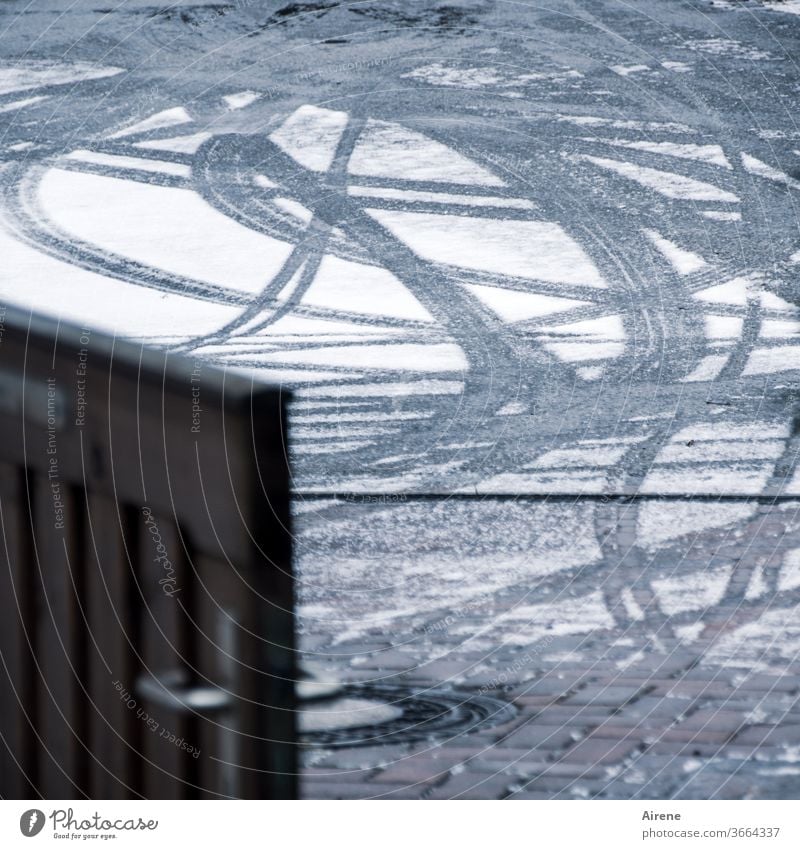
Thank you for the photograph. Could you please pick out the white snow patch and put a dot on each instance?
(277, 341)
(44, 284)
(361, 416)
(389, 357)
(293, 378)
(761, 169)
(707, 369)
(632, 607)
(241, 99)
(27, 75)
(663, 522)
(677, 67)
(733, 432)
(770, 301)
(789, 577)
(337, 404)
(757, 585)
(411, 195)
(734, 292)
(527, 623)
(439, 74)
(534, 249)
(295, 209)
(166, 118)
(482, 77)
(706, 479)
(135, 163)
(294, 327)
(168, 228)
(264, 182)
(705, 451)
(772, 329)
(576, 352)
(177, 144)
(332, 447)
(708, 153)
(590, 372)
(596, 121)
(21, 104)
(635, 657)
(345, 713)
(605, 327)
(391, 150)
(627, 70)
(683, 261)
(587, 456)
(601, 338)
(512, 305)
(306, 434)
(793, 487)
(696, 591)
(773, 639)
(666, 183)
(512, 408)
(560, 482)
(715, 215)
(310, 135)
(772, 360)
(380, 390)
(790, 7)
(366, 289)
(689, 633)
(725, 47)
(723, 326)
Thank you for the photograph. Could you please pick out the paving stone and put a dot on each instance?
(576, 716)
(716, 720)
(419, 768)
(472, 786)
(683, 688)
(599, 751)
(684, 749)
(679, 734)
(601, 695)
(538, 735)
(768, 735)
(342, 790)
(621, 732)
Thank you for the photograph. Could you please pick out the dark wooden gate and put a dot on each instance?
(146, 609)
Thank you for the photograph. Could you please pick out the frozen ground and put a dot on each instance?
(541, 255)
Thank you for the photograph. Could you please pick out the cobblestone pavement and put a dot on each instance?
(531, 275)
(666, 673)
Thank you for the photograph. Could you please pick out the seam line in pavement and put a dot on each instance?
(399, 497)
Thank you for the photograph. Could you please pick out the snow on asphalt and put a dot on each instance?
(560, 272)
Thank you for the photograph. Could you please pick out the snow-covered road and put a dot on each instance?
(494, 250)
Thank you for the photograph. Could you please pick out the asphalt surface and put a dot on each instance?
(530, 270)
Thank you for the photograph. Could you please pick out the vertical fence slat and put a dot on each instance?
(112, 669)
(17, 670)
(270, 570)
(59, 625)
(222, 617)
(164, 646)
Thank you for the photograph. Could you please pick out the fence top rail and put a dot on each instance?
(138, 360)
(147, 427)
(398, 497)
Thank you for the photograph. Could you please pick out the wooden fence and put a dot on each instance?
(146, 592)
